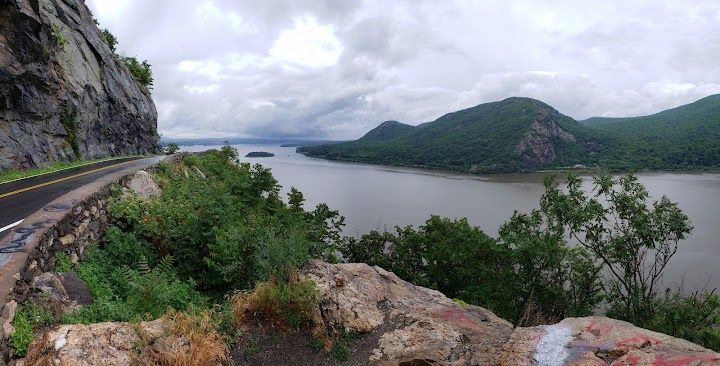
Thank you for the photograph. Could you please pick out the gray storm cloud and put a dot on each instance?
(335, 69)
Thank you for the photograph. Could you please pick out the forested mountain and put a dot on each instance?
(523, 134)
(686, 137)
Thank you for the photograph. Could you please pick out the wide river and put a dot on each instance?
(374, 197)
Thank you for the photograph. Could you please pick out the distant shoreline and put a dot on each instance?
(579, 171)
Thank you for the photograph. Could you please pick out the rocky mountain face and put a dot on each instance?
(536, 147)
(63, 93)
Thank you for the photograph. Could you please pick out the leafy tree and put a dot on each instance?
(528, 276)
(632, 239)
(549, 280)
(110, 39)
(171, 148)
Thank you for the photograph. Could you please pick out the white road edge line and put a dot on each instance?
(11, 225)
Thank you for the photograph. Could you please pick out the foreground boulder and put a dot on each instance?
(600, 341)
(143, 185)
(64, 292)
(419, 326)
(111, 344)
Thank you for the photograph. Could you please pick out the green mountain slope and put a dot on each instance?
(686, 137)
(388, 130)
(523, 134)
(510, 135)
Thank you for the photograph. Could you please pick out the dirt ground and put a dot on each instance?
(263, 344)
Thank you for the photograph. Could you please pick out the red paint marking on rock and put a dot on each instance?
(687, 360)
(458, 316)
(636, 341)
(598, 331)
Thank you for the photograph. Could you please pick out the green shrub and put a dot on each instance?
(229, 230)
(171, 148)
(109, 39)
(62, 262)
(140, 70)
(525, 276)
(23, 335)
(695, 317)
(58, 36)
(123, 292)
(28, 317)
(340, 351)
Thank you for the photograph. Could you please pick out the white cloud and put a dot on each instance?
(335, 69)
(308, 44)
(202, 89)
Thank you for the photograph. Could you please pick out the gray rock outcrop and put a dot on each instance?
(412, 326)
(419, 326)
(537, 145)
(94, 344)
(63, 92)
(144, 186)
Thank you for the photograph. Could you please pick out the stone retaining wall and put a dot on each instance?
(81, 226)
(69, 225)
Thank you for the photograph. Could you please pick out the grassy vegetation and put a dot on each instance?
(285, 303)
(28, 317)
(10, 175)
(483, 139)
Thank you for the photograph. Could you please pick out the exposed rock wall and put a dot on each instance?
(62, 90)
(536, 145)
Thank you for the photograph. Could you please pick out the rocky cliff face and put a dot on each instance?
(63, 92)
(536, 145)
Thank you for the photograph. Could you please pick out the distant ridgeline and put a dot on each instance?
(523, 134)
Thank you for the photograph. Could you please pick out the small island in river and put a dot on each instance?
(259, 154)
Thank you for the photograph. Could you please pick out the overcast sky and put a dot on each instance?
(337, 68)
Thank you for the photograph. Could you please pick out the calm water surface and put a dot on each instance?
(379, 197)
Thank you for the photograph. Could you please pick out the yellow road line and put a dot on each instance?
(61, 179)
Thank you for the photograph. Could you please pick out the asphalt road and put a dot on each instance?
(20, 198)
